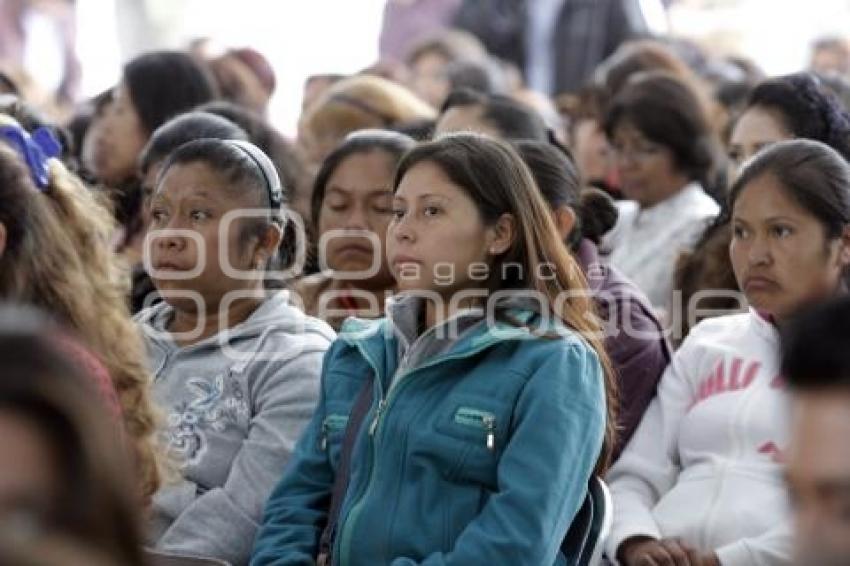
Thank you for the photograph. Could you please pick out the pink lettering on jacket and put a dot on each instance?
(770, 449)
(736, 375)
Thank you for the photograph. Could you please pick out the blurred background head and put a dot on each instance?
(357, 103)
(153, 88)
(816, 363)
(447, 57)
(791, 106)
(64, 466)
(661, 138)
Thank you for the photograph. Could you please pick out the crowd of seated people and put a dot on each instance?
(435, 326)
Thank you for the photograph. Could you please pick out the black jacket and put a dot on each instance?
(586, 33)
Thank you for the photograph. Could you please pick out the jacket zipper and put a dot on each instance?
(485, 420)
(737, 443)
(344, 543)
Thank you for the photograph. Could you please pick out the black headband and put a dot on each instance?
(267, 170)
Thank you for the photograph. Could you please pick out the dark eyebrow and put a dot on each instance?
(432, 195)
(780, 219)
(371, 191)
(769, 220)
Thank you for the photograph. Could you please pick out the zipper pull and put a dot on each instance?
(324, 442)
(381, 404)
(490, 424)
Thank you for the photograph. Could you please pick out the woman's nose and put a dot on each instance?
(356, 219)
(402, 230)
(759, 252)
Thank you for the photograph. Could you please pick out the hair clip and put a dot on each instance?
(35, 150)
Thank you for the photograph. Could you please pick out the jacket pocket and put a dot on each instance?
(332, 426)
(478, 429)
(331, 437)
(481, 420)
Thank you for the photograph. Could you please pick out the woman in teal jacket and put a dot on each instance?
(488, 385)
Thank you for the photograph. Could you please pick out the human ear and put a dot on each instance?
(565, 220)
(267, 245)
(502, 234)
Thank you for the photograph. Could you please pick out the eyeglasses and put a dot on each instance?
(639, 152)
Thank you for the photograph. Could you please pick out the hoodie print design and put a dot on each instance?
(209, 409)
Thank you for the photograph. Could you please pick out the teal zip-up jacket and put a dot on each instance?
(479, 454)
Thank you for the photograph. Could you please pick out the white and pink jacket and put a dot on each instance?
(705, 464)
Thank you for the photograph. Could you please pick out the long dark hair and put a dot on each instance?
(496, 179)
(162, 84)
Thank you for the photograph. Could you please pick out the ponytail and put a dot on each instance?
(596, 216)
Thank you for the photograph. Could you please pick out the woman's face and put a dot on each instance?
(188, 236)
(780, 253)
(29, 484)
(428, 78)
(117, 139)
(437, 234)
(755, 129)
(648, 171)
(356, 213)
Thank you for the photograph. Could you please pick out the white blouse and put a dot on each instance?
(646, 242)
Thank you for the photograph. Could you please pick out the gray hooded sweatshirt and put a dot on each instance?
(235, 405)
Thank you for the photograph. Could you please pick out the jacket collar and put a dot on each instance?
(377, 340)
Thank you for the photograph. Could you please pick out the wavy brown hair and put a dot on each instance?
(497, 180)
(57, 257)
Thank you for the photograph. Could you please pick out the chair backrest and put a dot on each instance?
(585, 540)
(159, 558)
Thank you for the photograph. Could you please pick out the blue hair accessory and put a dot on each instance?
(35, 150)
